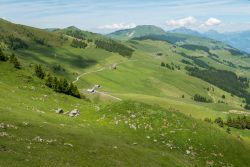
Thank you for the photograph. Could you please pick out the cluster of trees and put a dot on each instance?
(196, 61)
(40, 41)
(200, 98)
(76, 34)
(78, 44)
(16, 43)
(195, 47)
(12, 59)
(171, 66)
(58, 68)
(113, 46)
(59, 85)
(239, 122)
(186, 62)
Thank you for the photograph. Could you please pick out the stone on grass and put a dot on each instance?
(74, 113)
(59, 111)
(68, 144)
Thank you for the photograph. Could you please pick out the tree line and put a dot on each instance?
(200, 98)
(60, 85)
(171, 66)
(113, 46)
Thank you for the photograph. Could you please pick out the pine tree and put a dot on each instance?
(39, 71)
(55, 84)
(63, 85)
(49, 80)
(73, 90)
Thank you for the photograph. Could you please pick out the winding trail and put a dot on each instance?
(77, 79)
(99, 70)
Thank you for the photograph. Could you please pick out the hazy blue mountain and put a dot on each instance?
(239, 40)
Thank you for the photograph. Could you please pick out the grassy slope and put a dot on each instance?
(105, 137)
(140, 78)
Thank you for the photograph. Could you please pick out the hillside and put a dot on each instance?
(145, 111)
(138, 31)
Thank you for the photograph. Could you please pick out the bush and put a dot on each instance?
(13, 59)
(219, 121)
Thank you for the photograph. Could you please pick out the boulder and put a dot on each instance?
(74, 113)
(59, 111)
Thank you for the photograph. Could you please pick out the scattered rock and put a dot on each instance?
(188, 152)
(74, 113)
(59, 111)
(3, 148)
(38, 139)
(3, 134)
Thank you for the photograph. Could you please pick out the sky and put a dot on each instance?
(105, 16)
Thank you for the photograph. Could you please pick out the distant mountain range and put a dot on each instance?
(238, 40)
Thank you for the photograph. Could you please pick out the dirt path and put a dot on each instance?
(109, 95)
(77, 79)
(101, 69)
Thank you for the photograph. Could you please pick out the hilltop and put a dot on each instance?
(138, 31)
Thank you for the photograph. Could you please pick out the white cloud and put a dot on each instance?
(212, 22)
(185, 22)
(193, 23)
(117, 26)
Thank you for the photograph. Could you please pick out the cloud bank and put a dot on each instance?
(193, 22)
(117, 26)
(185, 22)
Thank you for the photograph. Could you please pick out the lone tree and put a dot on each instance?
(39, 71)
